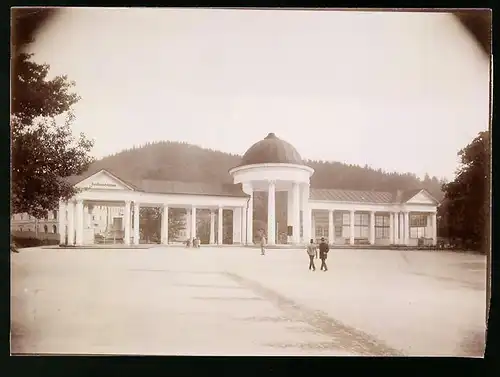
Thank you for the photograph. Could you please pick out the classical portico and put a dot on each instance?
(106, 189)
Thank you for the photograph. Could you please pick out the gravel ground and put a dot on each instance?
(233, 301)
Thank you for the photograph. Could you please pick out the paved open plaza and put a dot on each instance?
(233, 301)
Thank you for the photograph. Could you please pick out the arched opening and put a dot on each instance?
(46, 228)
(54, 229)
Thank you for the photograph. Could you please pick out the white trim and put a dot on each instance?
(426, 193)
(270, 165)
(110, 175)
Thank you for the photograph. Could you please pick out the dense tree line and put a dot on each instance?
(465, 211)
(178, 161)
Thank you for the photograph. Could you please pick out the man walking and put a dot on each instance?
(312, 252)
(323, 253)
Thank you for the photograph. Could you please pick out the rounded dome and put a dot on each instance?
(271, 150)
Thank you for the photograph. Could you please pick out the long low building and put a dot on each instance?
(108, 203)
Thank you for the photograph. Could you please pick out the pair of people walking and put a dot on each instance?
(312, 251)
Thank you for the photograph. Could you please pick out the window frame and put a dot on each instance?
(382, 227)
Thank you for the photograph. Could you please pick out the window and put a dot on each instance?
(382, 226)
(418, 220)
(418, 225)
(321, 231)
(346, 225)
(54, 229)
(54, 214)
(45, 228)
(338, 223)
(46, 216)
(418, 232)
(361, 225)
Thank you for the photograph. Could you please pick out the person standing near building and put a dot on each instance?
(312, 251)
(262, 243)
(323, 253)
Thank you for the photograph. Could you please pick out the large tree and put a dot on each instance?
(44, 152)
(465, 211)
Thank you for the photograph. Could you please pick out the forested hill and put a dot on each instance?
(184, 162)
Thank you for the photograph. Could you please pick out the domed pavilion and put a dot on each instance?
(273, 165)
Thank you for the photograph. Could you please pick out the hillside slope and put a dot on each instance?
(189, 163)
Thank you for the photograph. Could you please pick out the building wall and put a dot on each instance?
(23, 223)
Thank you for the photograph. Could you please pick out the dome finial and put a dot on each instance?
(270, 135)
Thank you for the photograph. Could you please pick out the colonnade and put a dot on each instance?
(74, 221)
(399, 226)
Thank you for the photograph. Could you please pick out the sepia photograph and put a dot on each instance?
(250, 181)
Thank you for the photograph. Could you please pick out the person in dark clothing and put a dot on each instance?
(323, 253)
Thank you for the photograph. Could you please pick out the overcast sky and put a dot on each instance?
(397, 91)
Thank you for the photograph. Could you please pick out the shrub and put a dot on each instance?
(21, 242)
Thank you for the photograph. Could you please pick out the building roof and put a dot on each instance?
(170, 187)
(189, 188)
(271, 150)
(358, 196)
(235, 190)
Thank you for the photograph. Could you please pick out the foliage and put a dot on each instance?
(21, 242)
(464, 213)
(150, 223)
(25, 22)
(43, 151)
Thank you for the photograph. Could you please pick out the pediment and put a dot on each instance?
(103, 180)
(422, 197)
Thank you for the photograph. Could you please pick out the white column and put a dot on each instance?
(434, 228)
(407, 228)
(401, 228)
(71, 222)
(127, 222)
(250, 219)
(193, 222)
(164, 225)
(89, 217)
(236, 225)
(372, 228)
(396, 229)
(331, 228)
(212, 227)
(271, 213)
(62, 222)
(188, 223)
(295, 212)
(79, 222)
(313, 230)
(391, 228)
(307, 225)
(289, 213)
(306, 214)
(220, 223)
(136, 223)
(243, 225)
(351, 225)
